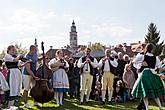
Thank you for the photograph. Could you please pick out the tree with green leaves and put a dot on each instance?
(96, 47)
(19, 49)
(153, 36)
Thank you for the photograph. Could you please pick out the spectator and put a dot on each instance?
(128, 79)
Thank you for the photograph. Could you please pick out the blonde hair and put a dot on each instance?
(126, 67)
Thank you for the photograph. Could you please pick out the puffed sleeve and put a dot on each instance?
(52, 61)
(80, 64)
(8, 58)
(138, 60)
(100, 64)
(94, 63)
(158, 63)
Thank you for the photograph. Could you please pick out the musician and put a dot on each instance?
(144, 86)
(60, 78)
(29, 74)
(107, 64)
(14, 76)
(86, 64)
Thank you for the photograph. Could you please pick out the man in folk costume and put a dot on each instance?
(144, 86)
(107, 64)
(29, 74)
(86, 63)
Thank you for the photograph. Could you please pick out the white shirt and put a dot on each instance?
(53, 61)
(114, 63)
(137, 62)
(86, 67)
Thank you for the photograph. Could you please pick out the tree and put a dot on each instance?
(19, 49)
(153, 36)
(96, 47)
(163, 54)
(2, 54)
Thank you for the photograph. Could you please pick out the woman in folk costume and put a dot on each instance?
(60, 78)
(3, 85)
(148, 84)
(14, 77)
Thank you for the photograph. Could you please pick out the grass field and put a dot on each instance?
(72, 104)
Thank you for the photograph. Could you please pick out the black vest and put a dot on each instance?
(90, 66)
(11, 65)
(112, 69)
(150, 60)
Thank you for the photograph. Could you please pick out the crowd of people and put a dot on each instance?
(114, 78)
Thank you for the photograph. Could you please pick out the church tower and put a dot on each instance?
(35, 43)
(73, 36)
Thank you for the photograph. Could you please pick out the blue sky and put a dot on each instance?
(107, 21)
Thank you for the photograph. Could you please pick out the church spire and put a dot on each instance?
(73, 23)
(73, 35)
(73, 27)
(35, 43)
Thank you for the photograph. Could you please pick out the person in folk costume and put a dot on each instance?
(14, 76)
(141, 105)
(86, 64)
(60, 78)
(107, 64)
(144, 86)
(29, 76)
(3, 85)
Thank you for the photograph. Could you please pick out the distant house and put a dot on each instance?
(124, 49)
(137, 47)
(51, 52)
(96, 54)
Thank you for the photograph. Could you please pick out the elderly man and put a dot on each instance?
(86, 64)
(108, 65)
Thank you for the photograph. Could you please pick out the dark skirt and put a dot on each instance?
(148, 85)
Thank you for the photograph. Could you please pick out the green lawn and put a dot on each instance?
(72, 104)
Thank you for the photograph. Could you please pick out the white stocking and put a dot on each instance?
(103, 95)
(110, 95)
(82, 96)
(61, 97)
(146, 102)
(10, 103)
(57, 98)
(158, 102)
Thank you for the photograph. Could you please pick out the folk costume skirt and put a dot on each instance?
(60, 81)
(148, 85)
(14, 79)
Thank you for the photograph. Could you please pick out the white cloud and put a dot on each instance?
(24, 25)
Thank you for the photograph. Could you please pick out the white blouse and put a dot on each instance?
(137, 62)
(54, 60)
